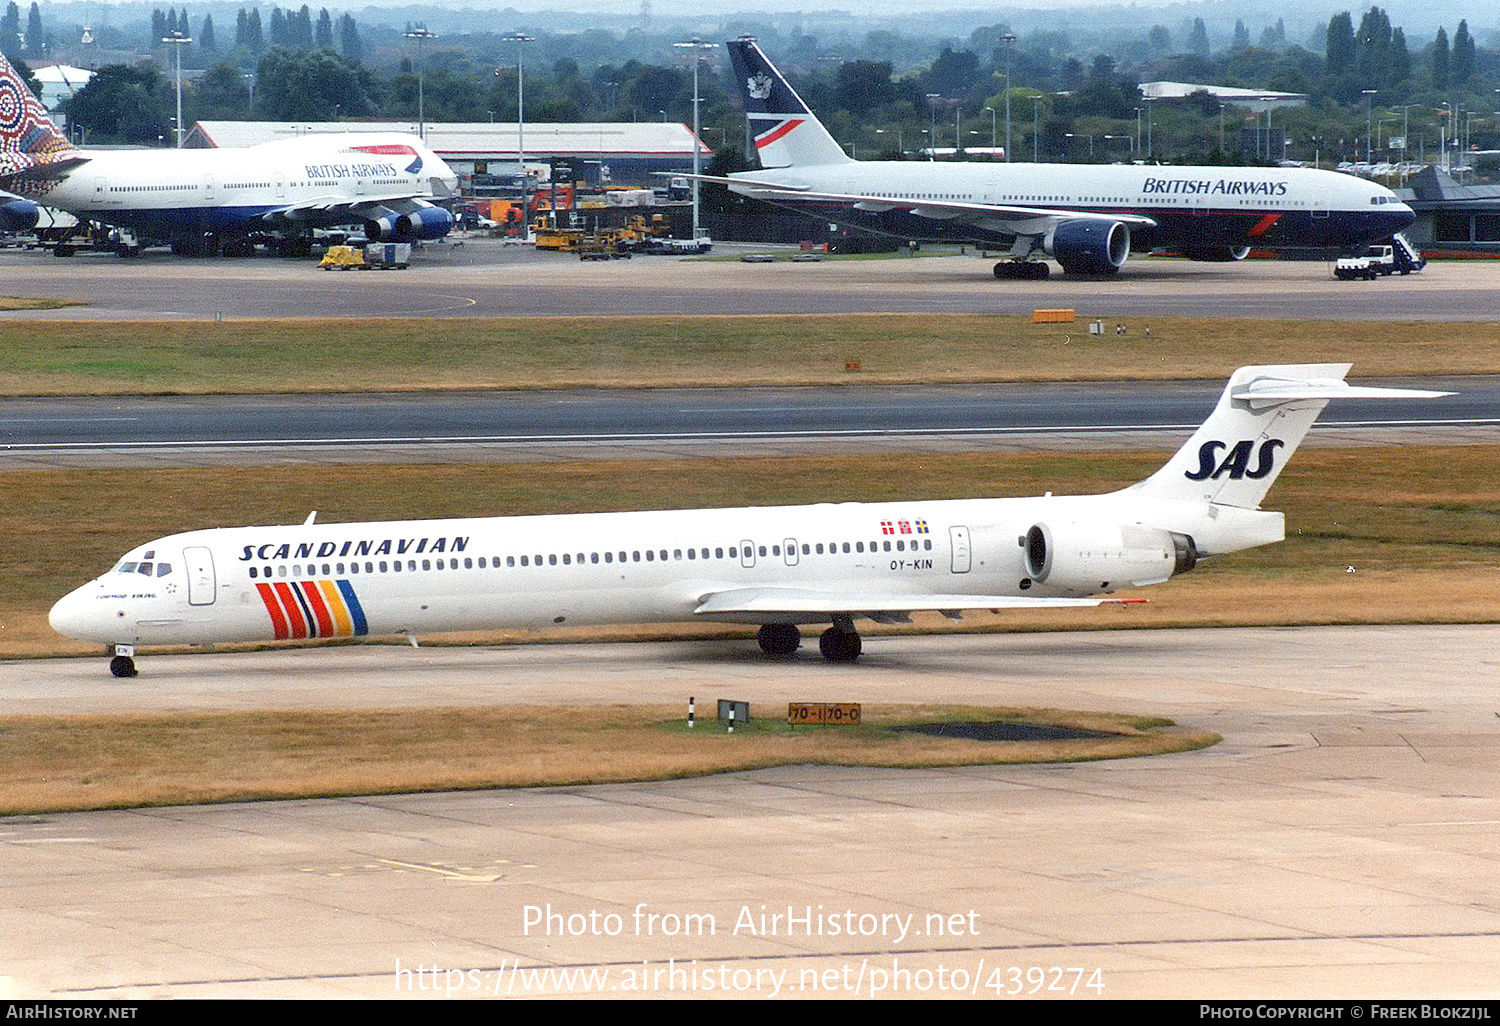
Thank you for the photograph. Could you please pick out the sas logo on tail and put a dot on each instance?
(1236, 462)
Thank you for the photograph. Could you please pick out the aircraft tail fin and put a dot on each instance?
(781, 129)
(30, 144)
(1262, 417)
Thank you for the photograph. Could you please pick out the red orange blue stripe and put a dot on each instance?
(767, 138)
(313, 609)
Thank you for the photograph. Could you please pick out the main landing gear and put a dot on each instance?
(123, 662)
(1031, 270)
(839, 643)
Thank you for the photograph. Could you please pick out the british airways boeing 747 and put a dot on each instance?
(202, 200)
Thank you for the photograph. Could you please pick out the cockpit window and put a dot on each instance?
(145, 569)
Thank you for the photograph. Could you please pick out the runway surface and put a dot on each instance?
(587, 415)
(1338, 843)
(483, 278)
(592, 424)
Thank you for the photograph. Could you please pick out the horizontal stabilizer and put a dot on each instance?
(1273, 391)
(763, 602)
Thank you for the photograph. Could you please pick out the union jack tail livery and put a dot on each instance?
(781, 129)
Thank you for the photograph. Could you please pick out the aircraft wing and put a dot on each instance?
(358, 208)
(1033, 219)
(881, 606)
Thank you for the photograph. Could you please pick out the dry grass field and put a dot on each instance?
(301, 355)
(91, 762)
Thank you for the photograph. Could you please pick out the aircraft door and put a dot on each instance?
(963, 556)
(202, 583)
(1321, 203)
(279, 180)
(208, 187)
(791, 551)
(747, 553)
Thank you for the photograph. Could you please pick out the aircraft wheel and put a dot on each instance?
(839, 646)
(779, 639)
(122, 666)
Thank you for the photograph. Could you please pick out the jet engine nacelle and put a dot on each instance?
(426, 223)
(1087, 558)
(1216, 254)
(382, 229)
(1088, 246)
(18, 215)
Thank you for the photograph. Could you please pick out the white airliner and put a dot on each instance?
(200, 200)
(1088, 217)
(777, 566)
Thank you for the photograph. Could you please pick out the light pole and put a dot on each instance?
(696, 47)
(1369, 95)
(421, 35)
(993, 141)
(178, 40)
(932, 99)
(1010, 43)
(1445, 113)
(521, 39)
(1036, 106)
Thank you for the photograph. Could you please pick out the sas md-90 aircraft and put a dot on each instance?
(777, 566)
(200, 201)
(1088, 217)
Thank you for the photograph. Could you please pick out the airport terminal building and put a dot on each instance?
(600, 152)
(1451, 215)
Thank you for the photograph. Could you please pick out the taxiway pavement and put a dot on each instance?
(484, 278)
(1339, 843)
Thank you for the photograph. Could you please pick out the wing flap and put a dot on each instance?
(931, 208)
(758, 602)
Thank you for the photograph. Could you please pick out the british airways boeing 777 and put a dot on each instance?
(1088, 217)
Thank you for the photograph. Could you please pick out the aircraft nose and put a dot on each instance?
(73, 616)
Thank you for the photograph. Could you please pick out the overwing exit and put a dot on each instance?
(779, 567)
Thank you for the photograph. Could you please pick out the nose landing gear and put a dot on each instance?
(123, 663)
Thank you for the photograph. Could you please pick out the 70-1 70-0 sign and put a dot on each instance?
(822, 713)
